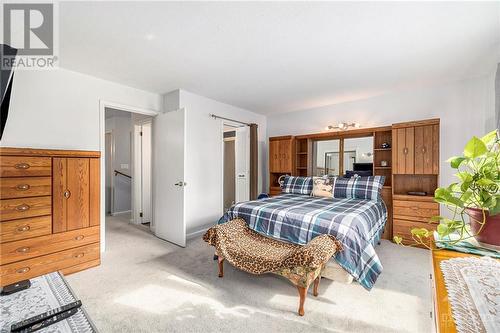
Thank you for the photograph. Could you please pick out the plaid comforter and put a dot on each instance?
(357, 224)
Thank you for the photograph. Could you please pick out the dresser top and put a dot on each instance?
(8, 151)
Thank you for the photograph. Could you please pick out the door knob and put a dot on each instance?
(67, 194)
(181, 184)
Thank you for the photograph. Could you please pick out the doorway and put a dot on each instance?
(128, 166)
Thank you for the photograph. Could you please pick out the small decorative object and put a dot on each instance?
(383, 163)
(385, 145)
(474, 201)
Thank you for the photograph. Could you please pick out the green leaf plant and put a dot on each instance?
(477, 187)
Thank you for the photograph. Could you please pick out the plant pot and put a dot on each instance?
(490, 233)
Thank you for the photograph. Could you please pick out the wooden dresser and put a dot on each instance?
(415, 157)
(49, 213)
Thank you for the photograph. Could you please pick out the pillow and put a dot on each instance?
(297, 185)
(369, 188)
(322, 187)
(361, 173)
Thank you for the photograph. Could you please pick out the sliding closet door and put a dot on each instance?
(168, 167)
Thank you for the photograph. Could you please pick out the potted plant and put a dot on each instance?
(474, 200)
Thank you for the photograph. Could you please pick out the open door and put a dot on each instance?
(242, 164)
(168, 174)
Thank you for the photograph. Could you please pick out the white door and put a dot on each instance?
(146, 173)
(242, 164)
(168, 173)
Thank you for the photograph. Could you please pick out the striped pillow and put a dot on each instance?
(369, 188)
(297, 185)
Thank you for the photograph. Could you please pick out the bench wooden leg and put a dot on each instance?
(302, 295)
(316, 285)
(221, 266)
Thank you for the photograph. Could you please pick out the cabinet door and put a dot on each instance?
(404, 150)
(59, 202)
(426, 150)
(285, 155)
(274, 165)
(73, 196)
(79, 193)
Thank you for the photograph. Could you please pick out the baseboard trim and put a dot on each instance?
(121, 213)
(198, 233)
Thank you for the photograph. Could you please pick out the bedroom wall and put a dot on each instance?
(466, 108)
(60, 108)
(204, 151)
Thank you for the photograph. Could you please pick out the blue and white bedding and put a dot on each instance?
(358, 224)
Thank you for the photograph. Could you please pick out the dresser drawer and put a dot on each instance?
(21, 166)
(34, 247)
(31, 268)
(23, 187)
(419, 209)
(403, 228)
(25, 228)
(11, 209)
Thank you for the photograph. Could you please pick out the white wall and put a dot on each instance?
(466, 108)
(59, 109)
(204, 150)
(121, 127)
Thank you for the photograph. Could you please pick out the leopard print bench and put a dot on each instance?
(257, 254)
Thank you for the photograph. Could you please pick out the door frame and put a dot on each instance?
(137, 186)
(111, 166)
(103, 104)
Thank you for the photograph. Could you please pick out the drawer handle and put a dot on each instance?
(23, 249)
(67, 194)
(79, 255)
(22, 187)
(23, 270)
(405, 151)
(22, 208)
(24, 228)
(22, 166)
(79, 237)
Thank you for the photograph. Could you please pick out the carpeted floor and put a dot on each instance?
(147, 285)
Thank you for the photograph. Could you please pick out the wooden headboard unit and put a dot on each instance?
(412, 165)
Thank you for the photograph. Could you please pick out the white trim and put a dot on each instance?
(102, 130)
(122, 212)
(196, 234)
(224, 122)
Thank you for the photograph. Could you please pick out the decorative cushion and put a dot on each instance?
(322, 187)
(297, 185)
(358, 187)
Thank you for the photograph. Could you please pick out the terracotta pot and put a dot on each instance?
(490, 234)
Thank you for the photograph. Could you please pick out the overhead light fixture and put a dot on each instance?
(343, 126)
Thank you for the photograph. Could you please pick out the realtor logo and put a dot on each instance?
(30, 28)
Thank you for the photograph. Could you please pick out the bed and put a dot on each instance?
(297, 218)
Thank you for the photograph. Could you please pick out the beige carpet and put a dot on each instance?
(147, 285)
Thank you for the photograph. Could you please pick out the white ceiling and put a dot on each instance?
(276, 57)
